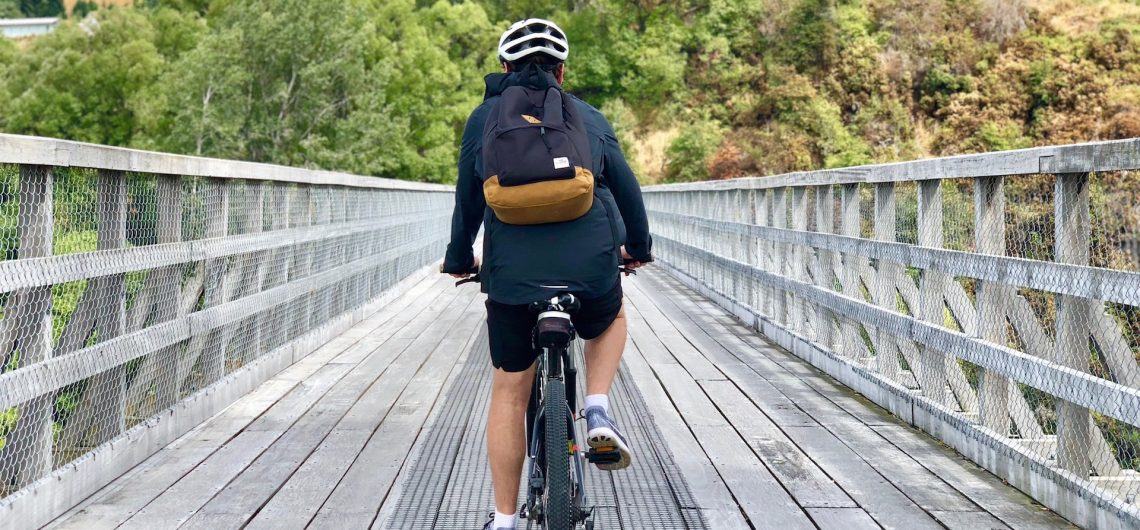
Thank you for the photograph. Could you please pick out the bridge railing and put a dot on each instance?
(992, 300)
(141, 293)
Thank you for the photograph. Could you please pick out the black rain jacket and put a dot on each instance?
(524, 263)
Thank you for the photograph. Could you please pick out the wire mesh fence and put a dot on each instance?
(123, 293)
(999, 294)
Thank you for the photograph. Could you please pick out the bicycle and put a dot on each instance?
(556, 495)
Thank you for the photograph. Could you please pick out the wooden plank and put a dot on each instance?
(873, 492)
(357, 498)
(70, 484)
(706, 484)
(728, 356)
(986, 490)
(676, 342)
(640, 332)
(115, 503)
(180, 501)
(968, 520)
(841, 519)
(247, 492)
(474, 351)
(121, 499)
(678, 322)
(731, 344)
(916, 482)
(1012, 507)
(822, 409)
(756, 490)
(803, 479)
(893, 466)
(265, 476)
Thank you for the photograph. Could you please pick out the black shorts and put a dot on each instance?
(509, 327)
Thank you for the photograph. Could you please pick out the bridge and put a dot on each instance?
(947, 343)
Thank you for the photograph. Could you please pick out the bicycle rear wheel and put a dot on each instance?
(558, 513)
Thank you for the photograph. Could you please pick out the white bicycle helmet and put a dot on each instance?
(531, 36)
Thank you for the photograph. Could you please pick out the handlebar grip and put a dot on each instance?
(472, 279)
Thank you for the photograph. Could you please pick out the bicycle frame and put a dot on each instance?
(553, 363)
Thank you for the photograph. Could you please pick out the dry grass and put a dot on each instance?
(649, 153)
(1082, 16)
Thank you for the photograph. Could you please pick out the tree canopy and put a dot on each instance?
(700, 88)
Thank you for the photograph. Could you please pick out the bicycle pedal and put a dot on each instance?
(603, 455)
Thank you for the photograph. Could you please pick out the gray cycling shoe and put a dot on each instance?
(602, 435)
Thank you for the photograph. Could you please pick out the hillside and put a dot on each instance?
(697, 88)
(833, 84)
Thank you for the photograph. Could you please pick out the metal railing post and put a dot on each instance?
(826, 263)
(886, 351)
(1073, 238)
(28, 448)
(990, 238)
(933, 366)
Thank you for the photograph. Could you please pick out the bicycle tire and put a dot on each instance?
(557, 514)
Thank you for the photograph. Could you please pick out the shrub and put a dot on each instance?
(688, 156)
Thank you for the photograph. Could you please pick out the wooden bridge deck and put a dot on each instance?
(760, 438)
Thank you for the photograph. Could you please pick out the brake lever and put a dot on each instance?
(627, 271)
(471, 279)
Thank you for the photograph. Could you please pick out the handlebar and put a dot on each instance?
(475, 278)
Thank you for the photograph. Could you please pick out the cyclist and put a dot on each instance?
(527, 262)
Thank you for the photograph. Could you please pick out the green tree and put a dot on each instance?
(81, 81)
(83, 8)
(285, 82)
(196, 6)
(10, 9)
(42, 8)
(438, 56)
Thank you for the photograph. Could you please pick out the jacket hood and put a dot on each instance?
(530, 77)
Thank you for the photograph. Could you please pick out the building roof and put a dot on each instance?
(19, 22)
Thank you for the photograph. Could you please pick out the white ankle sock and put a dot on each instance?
(598, 400)
(503, 520)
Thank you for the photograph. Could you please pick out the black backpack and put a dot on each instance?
(536, 158)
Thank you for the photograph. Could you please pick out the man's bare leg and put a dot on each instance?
(506, 434)
(603, 356)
